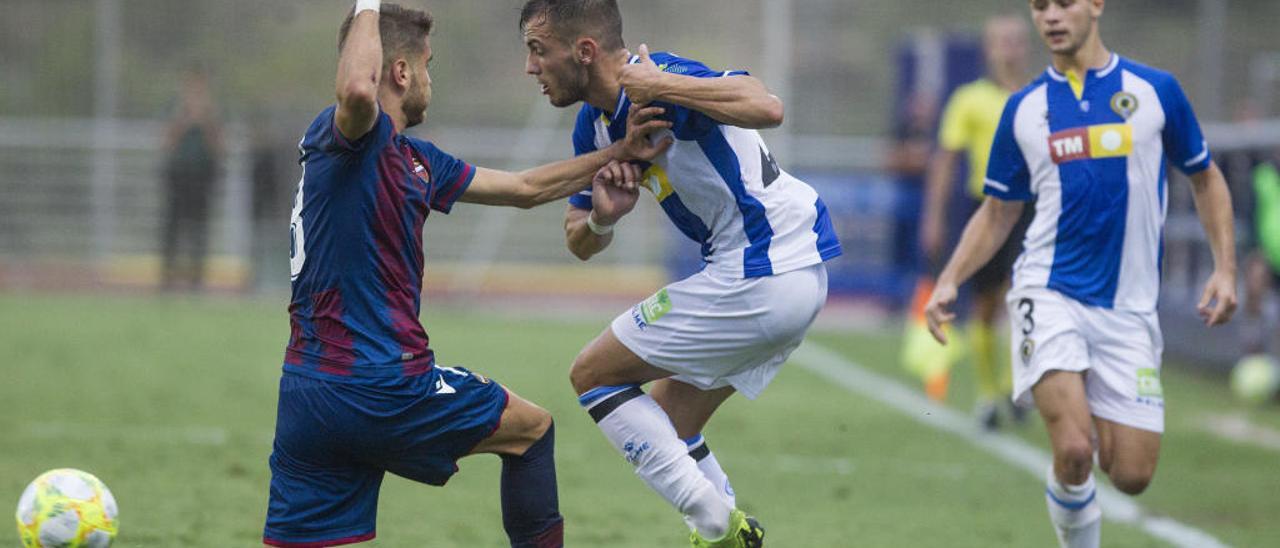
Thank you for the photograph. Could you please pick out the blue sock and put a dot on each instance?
(530, 505)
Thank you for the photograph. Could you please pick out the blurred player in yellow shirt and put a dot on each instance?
(968, 127)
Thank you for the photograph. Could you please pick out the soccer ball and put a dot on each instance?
(1256, 378)
(67, 508)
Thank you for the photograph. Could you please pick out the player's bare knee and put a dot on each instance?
(1129, 480)
(1075, 457)
(539, 422)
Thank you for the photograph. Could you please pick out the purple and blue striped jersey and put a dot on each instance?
(356, 250)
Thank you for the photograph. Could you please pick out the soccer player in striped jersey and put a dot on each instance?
(1087, 143)
(361, 393)
(764, 237)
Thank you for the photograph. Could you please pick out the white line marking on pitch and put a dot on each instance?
(1116, 506)
(1238, 428)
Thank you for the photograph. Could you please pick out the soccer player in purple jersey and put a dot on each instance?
(361, 394)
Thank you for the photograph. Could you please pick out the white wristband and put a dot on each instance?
(371, 5)
(597, 229)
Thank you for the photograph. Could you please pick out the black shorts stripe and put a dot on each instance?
(601, 410)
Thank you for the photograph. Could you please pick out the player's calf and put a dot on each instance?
(530, 503)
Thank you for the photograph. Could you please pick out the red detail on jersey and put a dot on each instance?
(394, 239)
(1069, 145)
(337, 349)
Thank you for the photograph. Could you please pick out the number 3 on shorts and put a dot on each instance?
(1027, 306)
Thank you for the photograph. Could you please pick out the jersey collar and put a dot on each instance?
(1096, 73)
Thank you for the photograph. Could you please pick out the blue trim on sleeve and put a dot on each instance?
(581, 200)
(1184, 142)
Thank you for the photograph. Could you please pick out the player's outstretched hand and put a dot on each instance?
(641, 123)
(938, 311)
(610, 201)
(641, 80)
(1218, 302)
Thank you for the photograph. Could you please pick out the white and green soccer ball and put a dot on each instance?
(67, 508)
(1256, 378)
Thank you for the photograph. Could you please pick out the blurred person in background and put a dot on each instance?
(193, 160)
(1087, 144)
(1262, 267)
(271, 175)
(968, 125)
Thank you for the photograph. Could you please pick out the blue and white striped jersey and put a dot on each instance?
(721, 187)
(1092, 156)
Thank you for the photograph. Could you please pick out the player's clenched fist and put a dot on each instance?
(642, 80)
(610, 198)
(938, 311)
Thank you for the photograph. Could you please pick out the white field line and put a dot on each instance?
(1238, 428)
(1116, 506)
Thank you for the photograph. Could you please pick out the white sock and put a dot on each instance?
(1074, 511)
(643, 433)
(701, 452)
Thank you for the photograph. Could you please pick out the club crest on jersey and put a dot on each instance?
(1091, 142)
(1124, 104)
(1026, 350)
(420, 171)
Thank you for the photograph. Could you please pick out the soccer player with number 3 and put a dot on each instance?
(1087, 143)
(361, 393)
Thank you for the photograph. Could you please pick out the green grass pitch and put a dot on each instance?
(171, 402)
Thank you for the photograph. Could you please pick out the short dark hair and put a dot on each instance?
(569, 19)
(402, 31)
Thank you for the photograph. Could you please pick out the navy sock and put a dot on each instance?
(530, 505)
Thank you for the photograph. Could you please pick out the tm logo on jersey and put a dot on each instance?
(1091, 142)
(651, 310)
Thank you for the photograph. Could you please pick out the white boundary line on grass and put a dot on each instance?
(1116, 506)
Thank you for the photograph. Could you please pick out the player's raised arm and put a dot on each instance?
(1213, 204)
(740, 100)
(359, 70)
(558, 180)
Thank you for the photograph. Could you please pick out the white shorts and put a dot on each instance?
(1119, 352)
(713, 332)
